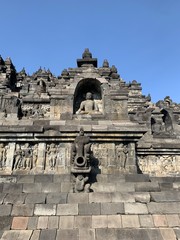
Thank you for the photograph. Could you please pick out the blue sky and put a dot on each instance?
(140, 37)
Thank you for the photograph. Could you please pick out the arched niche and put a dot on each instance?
(167, 121)
(84, 86)
(41, 86)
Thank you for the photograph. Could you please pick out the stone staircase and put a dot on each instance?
(120, 207)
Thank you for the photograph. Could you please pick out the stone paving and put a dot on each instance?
(38, 208)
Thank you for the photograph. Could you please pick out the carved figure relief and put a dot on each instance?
(23, 157)
(88, 106)
(159, 165)
(121, 155)
(36, 111)
(51, 156)
(81, 184)
(3, 152)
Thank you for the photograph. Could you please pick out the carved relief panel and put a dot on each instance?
(159, 165)
(3, 156)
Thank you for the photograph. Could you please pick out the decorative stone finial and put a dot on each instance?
(86, 54)
(105, 63)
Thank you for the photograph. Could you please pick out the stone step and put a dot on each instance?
(115, 227)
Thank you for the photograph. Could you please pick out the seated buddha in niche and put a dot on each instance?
(88, 106)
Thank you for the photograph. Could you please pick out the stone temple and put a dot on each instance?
(86, 155)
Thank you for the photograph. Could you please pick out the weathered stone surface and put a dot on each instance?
(142, 197)
(53, 222)
(5, 222)
(42, 222)
(47, 234)
(112, 208)
(86, 233)
(78, 198)
(22, 210)
(83, 222)
(15, 198)
(99, 197)
(167, 234)
(147, 187)
(35, 198)
(160, 220)
(5, 210)
(105, 233)
(89, 209)
(173, 220)
(56, 198)
(43, 178)
(45, 209)
(20, 223)
(114, 221)
(32, 223)
(146, 221)
(67, 209)
(100, 221)
(35, 235)
(135, 208)
(66, 222)
(51, 187)
(32, 187)
(167, 196)
(12, 188)
(67, 234)
(173, 207)
(2, 196)
(130, 221)
(122, 197)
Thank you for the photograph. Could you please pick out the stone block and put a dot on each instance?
(106, 233)
(1, 187)
(35, 235)
(146, 221)
(142, 197)
(2, 196)
(53, 222)
(35, 198)
(66, 222)
(32, 187)
(115, 178)
(42, 222)
(167, 196)
(25, 179)
(67, 209)
(8, 179)
(89, 209)
(99, 197)
(112, 208)
(56, 198)
(85, 233)
(166, 186)
(135, 208)
(147, 187)
(122, 197)
(51, 187)
(78, 198)
(160, 220)
(17, 235)
(125, 187)
(20, 223)
(114, 221)
(43, 178)
(83, 222)
(137, 178)
(12, 188)
(15, 198)
(163, 208)
(45, 209)
(32, 223)
(66, 187)
(67, 234)
(130, 221)
(99, 221)
(167, 234)
(62, 178)
(48, 234)
(5, 210)
(5, 222)
(136, 234)
(177, 232)
(173, 220)
(22, 210)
